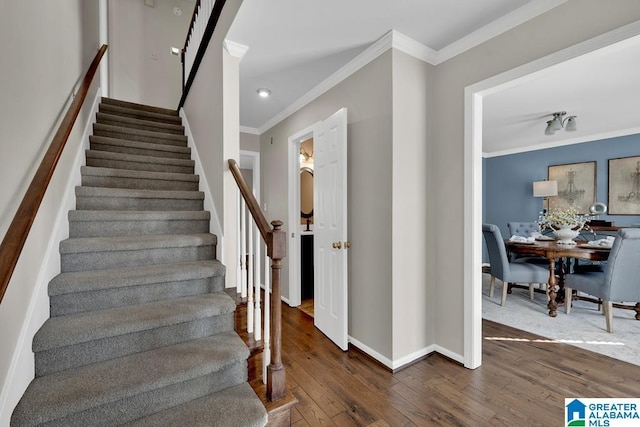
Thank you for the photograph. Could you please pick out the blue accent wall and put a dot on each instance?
(508, 180)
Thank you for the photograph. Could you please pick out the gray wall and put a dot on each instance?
(512, 199)
(47, 48)
(370, 192)
(564, 26)
(140, 39)
(249, 142)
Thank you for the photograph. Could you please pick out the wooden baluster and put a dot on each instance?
(239, 249)
(250, 273)
(257, 316)
(266, 352)
(275, 370)
(243, 248)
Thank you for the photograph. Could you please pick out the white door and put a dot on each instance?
(330, 228)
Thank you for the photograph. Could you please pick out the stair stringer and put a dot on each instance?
(22, 365)
(209, 205)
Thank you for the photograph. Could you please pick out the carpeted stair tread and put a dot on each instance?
(133, 243)
(79, 328)
(139, 114)
(134, 174)
(122, 380)
(140, 107)
(92, 280)
(120, 132)
(146, 180)
(136, 123)
(98, 215)
(134, 161)
(86, 191)
(233, 407)
(141, 148)
(104, 198)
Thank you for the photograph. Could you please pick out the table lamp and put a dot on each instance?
(545, 189)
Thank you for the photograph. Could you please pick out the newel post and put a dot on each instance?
(275, 370)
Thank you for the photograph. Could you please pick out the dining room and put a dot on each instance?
(569, 128)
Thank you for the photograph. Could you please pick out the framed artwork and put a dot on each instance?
(624, 186)
(576, 186)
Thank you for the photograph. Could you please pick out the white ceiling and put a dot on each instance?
(294, 45)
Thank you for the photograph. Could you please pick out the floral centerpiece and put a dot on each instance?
(566, 223)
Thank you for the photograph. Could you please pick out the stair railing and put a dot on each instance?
(16, 235)
(275, 241)
(203, 21)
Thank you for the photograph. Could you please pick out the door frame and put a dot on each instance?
(473, 191)
(293, 162)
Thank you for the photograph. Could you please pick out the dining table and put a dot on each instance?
(553, 251)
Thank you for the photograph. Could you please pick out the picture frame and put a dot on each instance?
(624, 186)
(576, 186)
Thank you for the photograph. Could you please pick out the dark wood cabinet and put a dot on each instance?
(306, 270)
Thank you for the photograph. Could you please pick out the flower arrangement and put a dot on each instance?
(563, 218)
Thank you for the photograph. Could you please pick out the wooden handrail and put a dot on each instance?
(276, 242)
(206, 37)
(18, 231)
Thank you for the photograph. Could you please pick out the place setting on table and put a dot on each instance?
(566, 225)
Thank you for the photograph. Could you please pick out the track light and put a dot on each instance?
(558, 122)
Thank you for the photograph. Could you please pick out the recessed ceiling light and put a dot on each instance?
(263, 92)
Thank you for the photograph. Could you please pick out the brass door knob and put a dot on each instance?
(347, 244)
(336, 245)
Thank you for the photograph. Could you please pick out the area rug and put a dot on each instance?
(584, 327)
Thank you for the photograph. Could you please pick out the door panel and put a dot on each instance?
(330, 229)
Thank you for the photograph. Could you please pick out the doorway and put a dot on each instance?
(306, 227)
(473, 98)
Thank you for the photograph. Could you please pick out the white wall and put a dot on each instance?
(212, 109)
(47, 49)
(413, 213)
(249, 142)
(140, 38)
(369, 150)
(564, 26)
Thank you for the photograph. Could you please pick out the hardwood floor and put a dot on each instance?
(521, 382)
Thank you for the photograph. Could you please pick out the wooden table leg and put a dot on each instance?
(552, 288)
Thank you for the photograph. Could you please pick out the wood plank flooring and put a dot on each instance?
(521, 382)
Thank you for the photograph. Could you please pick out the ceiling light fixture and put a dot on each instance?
(558, 122)
(264, 92)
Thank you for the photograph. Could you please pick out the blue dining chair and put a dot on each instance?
(509, 272)
(620, 280)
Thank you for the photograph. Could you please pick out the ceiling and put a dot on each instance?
(294, 48)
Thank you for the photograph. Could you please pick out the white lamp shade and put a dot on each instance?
(545, 188)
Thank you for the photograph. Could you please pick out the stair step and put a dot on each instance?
(141, 180)
(96, 223)
(139, 148)
(142, 124)
(139, 114)
(120, 132)
(131, 387)
(80, 339)
(80, 291)
(129, 199)
(238, 406)
(89, 253)
(109, 159)
(140, 107)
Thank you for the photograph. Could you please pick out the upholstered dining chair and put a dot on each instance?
(523, 229)
(619, 281)
(509, 272)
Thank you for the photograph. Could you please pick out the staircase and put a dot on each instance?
(141, 331)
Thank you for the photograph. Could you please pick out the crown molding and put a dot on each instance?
(247, 129)
(383, 44)
(234, 49)
(397, 40)
(497, 27)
